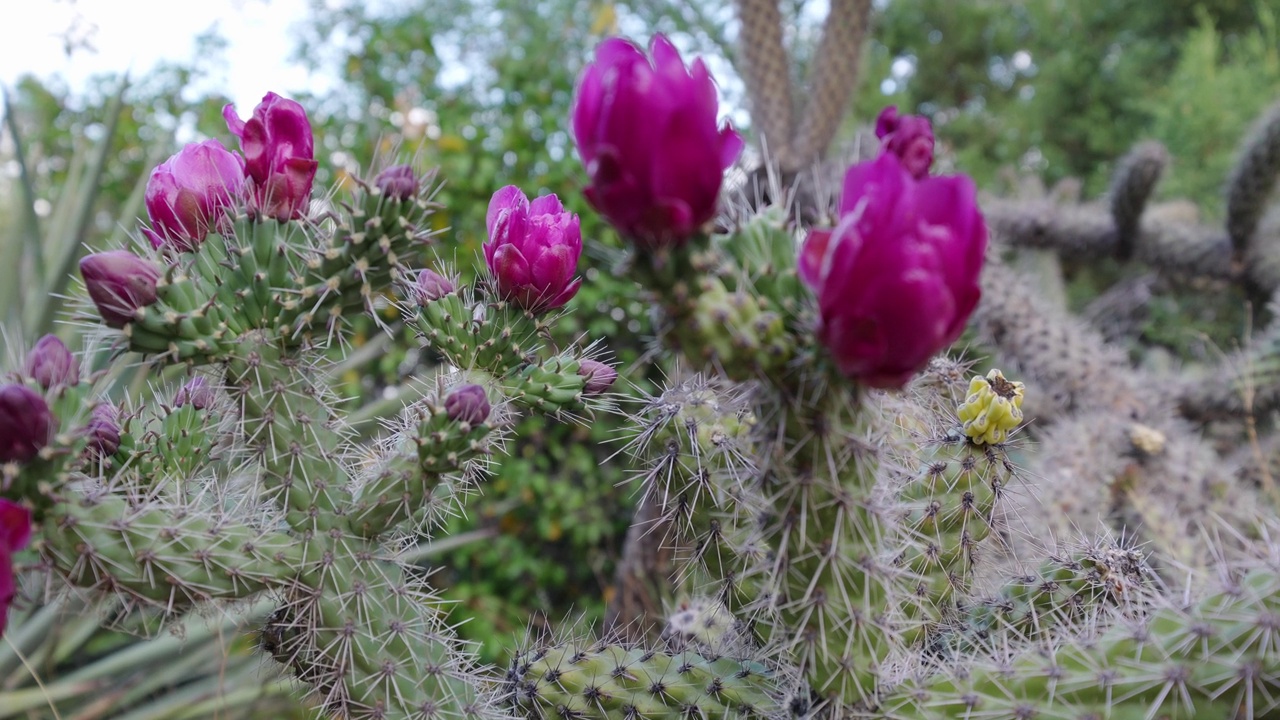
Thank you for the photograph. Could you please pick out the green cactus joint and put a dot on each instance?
(992, 408)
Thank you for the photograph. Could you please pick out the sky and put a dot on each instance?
(135, 35)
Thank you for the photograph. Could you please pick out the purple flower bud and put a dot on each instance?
(646, 131)
(119, 283)
(430, 286)
(197, 393)
(189, 193)
(600, 377)
(26, 423)
(910, 137)
(533, 249)
(15, 533)
(398, 182)
(898, 277)
(50, 363)
(279, 156)
(467, 404)
(103, 430)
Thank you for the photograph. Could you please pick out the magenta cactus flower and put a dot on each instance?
(189, 194)
(119, 283)
(279, 156)
(897, 278)
(467, 404)
(26, 423)
(910, 137)
(398, 182)
(430, 286)
(646, 131)
(533, 249)
(600, 377)
(15, 532)
(51, 364)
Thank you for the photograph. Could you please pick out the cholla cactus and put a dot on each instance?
(840, 507)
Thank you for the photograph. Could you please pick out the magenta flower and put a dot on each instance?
(279, 156)
(26, 423)
(119, 283)
(50, 363)
(910, 137)
(533, 249)
(189, 194)
(648, 136)
(15, 532)
(897, 279)
(467, 404)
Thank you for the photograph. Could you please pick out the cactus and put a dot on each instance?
(845, 522)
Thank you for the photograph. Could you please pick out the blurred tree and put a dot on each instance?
(1059, 88)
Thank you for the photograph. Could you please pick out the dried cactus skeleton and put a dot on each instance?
(841, 551)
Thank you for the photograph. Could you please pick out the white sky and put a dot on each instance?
(136, 34)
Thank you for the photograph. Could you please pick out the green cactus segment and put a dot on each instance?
(737, 330)
(167, 556)
(286, 421)
(947, 511)
(371, 644)
(696, 441)
(551, 386)
(376, 238)
(1063, 592)
(613, 682)
(408, 478)
(1252, 178)
(764, 247)
(833, 590)
(496, 338)
(1214, 660)
(273, 277)
(168, 443)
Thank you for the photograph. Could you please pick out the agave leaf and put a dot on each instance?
(12, 261)
(65, 248)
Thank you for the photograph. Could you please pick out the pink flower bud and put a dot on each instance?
(898, 277)
(103, 430)
(15, 533)
(26, 423)
(430, 286)
(279, 156)
(50, 363)
(398, 182)
(190, 193)
(533, 250)
(600, 377)
(467, 404)
(647, 133)
(196, 393)
(119, 283)
(910, 137)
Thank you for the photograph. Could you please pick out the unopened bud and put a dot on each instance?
(398, 182)
(600, 377)
(468, 404)
(431, 286)
(50, 363)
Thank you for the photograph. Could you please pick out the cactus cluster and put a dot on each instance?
(852, 527)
